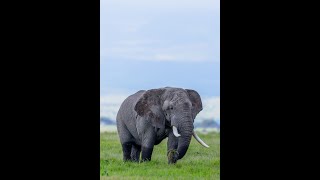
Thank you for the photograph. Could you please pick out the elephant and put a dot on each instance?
(149, 116)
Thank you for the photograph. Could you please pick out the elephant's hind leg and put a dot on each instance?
(135, 152)
(126, 149)
(126, 140)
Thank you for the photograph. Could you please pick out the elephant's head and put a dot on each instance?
(179, 106)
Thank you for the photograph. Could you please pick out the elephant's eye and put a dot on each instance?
(171, 107)
(151, 116)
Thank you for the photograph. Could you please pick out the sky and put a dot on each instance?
(153, 44)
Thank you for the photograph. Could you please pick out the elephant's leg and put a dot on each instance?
(126, 149)
(148, 141)
(172, 146)
(146, 153)
(126, 140)
(135, 152)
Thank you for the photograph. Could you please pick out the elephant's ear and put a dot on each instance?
(196, 102)
(149, 104)
(147, 100)
(157, 117)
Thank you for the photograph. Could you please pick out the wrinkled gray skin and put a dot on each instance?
(146, 118)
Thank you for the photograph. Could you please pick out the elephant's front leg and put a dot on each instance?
(148, 140)
(135, 152)
(172, 148)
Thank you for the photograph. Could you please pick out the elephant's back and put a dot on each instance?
(129, 103)
(126, 116)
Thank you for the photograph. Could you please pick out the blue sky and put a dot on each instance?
(150, 44)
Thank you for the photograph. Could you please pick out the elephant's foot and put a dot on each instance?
(146, 154)
(172, 156)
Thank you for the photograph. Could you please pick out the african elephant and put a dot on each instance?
(147, 117)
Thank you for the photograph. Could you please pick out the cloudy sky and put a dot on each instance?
(151, 44)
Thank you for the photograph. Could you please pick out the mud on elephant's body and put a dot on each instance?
(147, 117)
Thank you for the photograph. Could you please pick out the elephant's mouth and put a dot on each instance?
(167, 124)
(176, 133)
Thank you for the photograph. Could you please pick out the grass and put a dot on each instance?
(198, 163)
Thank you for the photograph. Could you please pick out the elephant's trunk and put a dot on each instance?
(186, 130)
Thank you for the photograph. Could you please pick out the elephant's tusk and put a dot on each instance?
(175, 131)
(199, 140)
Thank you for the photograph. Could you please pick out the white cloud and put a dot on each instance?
(211, 109)
(179, 57)
(112, 99)
(143, 51)
(165, 57)
(125, 26)
(110, 104)
(160, 5)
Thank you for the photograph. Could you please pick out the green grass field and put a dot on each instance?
(198, 163)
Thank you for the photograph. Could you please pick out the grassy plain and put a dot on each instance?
(198, 163)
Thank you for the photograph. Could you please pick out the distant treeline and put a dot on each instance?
(207, 123)
(106, 121)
